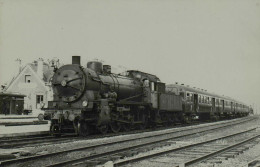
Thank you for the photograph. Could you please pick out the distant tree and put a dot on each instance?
(3, 87)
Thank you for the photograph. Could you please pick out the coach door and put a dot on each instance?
(196, 106)
(223, 105)
(213, 105)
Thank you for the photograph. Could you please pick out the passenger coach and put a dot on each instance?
(199, 102)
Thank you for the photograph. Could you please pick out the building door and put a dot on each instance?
(39, 101)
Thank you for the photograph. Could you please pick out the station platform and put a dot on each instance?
(2, 116)
(22, 125)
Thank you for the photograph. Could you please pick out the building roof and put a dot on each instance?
(47, 72)
(11, 94)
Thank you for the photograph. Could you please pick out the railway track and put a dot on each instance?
(209, 151)
(61, 158)
(29, 141)
(17, 142)
(25, 141)
(254, 162)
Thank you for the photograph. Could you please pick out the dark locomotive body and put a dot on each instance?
(87, 98)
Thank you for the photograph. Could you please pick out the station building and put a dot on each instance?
(33, 81)
(11, 103)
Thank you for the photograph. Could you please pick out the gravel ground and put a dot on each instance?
(168, 160)
(76, 144)
(23, 129)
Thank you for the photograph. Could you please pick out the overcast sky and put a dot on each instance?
(213, 44)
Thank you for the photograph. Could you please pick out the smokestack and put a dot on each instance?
(76, 60)
(107, 69)
(40, 67)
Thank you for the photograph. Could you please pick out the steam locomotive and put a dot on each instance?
(92, 98)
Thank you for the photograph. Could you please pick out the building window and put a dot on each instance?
(27, 78)
(39, 99)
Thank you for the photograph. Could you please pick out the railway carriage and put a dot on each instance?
(92, 97)
(205, 105)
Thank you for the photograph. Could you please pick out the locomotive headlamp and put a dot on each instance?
(85, 103)
(71, 117)
(63, 83)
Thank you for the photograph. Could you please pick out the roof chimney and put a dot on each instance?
(19, 66)
(40, 67)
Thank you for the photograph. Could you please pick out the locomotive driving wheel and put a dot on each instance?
(103, 129)
(115, 126)
(126, 127)
(55, 130)
(144, 123)
(84, 129)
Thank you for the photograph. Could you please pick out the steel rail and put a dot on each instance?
(254, 161)
(29, 141)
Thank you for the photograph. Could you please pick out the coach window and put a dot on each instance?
(199, 99)
(203, 99)
(191, 95)
(188, 96)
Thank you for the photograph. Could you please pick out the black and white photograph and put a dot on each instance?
(131, 83)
